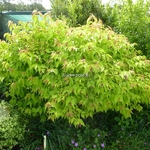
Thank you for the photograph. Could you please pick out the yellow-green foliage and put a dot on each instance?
(55, 71)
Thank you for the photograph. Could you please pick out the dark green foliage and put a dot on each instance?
(108, 129)
(54, 132)
(2, 91)
(132, 133)
(85, 138)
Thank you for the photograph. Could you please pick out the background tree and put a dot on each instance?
(1, 6)
(21, 6)
(132, 18)
(77, 11)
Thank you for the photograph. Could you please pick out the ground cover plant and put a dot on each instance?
(56, 71)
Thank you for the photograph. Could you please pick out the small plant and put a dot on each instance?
(11, 129)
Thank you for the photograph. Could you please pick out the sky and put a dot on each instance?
(46, 4)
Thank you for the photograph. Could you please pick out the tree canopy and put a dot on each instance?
(7, 5)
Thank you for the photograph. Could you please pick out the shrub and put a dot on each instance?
(11, 129)
(55, 71)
